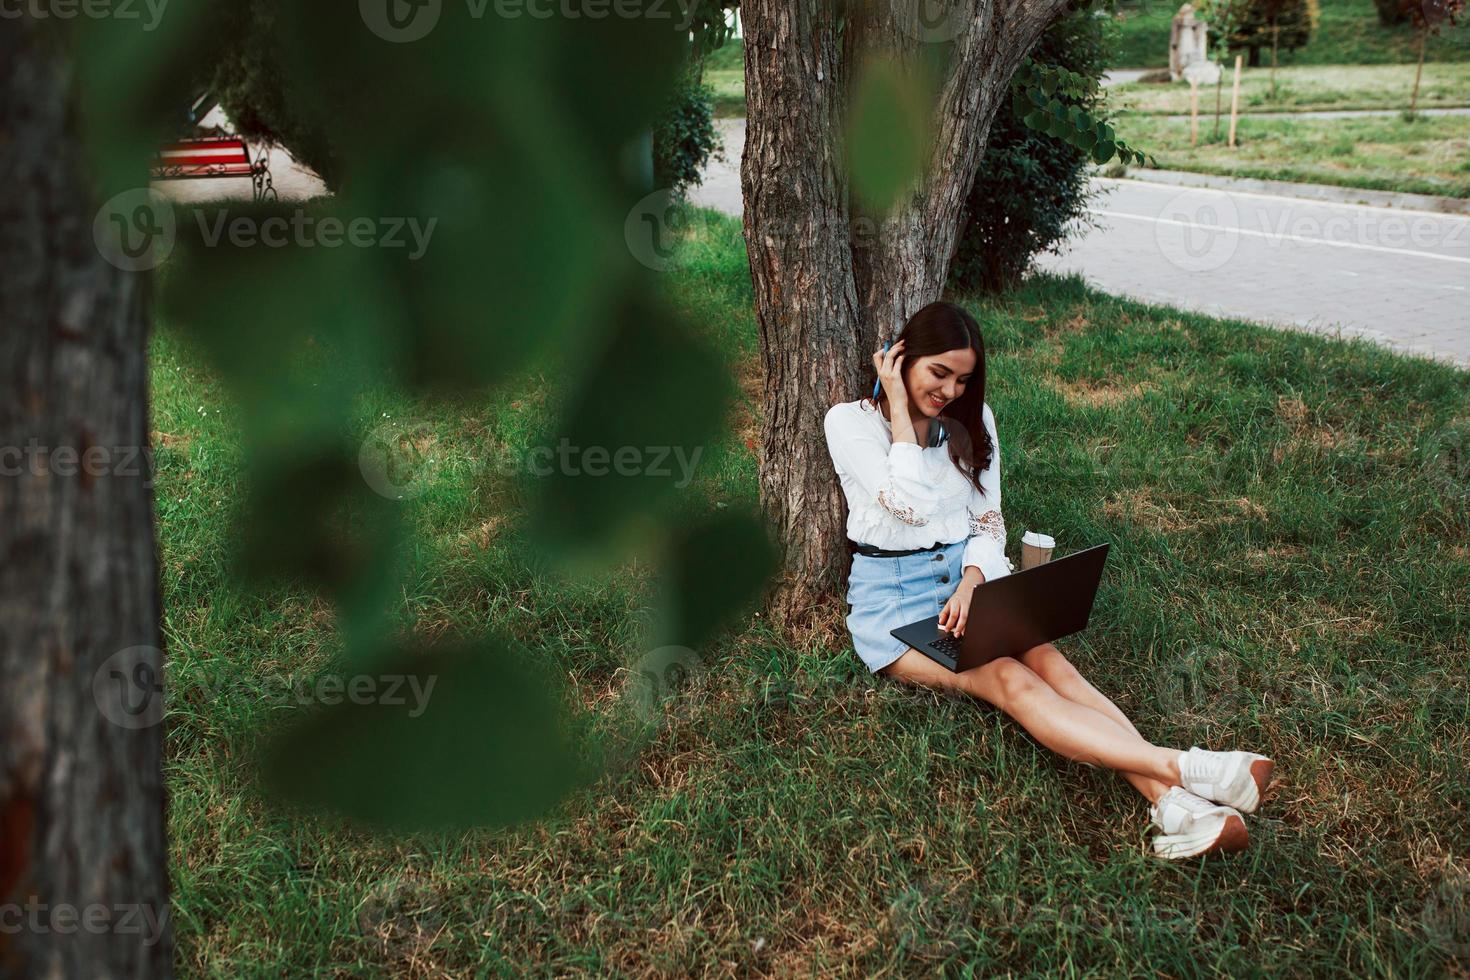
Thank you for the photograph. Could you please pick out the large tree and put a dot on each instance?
(832, 274)
(83, 889)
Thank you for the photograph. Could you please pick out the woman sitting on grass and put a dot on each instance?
(935, 514)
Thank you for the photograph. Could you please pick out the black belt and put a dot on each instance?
(872, 552)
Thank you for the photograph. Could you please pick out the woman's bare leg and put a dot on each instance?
(1048, 663)
(1074, 730)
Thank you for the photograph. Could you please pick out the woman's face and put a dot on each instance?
(938, 379)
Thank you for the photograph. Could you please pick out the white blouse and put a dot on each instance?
(902, 496)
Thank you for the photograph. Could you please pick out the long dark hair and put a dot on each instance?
(935, 329)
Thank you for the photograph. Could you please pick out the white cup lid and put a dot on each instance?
(1038, 540)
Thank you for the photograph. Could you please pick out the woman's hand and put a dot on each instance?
(890, 373)
(956, 612)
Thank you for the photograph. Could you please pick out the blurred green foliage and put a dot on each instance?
(501, 134)
(890, 127)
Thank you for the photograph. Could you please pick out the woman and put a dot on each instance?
(920, 467)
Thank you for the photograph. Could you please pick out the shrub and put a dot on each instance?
(684, 137)
(1256, 24)
(1030, 186)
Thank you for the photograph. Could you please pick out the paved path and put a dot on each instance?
(1318, 113)
(1401, 278)
(1330, 193)
(1122, 76)
(1398, 277)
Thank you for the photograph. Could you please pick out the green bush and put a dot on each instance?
(1257, 25)
(1030, 186)
(684, 137)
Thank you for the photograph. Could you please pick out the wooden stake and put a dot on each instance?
(1193, 114)
(1234, 101)
(1418, 72)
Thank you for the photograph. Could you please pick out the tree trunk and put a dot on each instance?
(83, 883)
(1275, 44)
(1419, 71)
(830, 281)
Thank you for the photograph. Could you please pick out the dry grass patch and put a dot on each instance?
(1143, 507)
(1276, 556)
(480, 536)
(1305, 432)
(1089, 395)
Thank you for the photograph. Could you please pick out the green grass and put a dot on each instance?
(1310, 87)
(1348, 34)
(1300, 88)
(1430, 155)
(729, 88)
(1290, 571)
(730, 55)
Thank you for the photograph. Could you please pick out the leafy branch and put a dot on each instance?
(1051, 100)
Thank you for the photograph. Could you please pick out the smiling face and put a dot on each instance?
(938, 379)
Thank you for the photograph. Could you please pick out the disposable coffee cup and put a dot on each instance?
(1036, 549)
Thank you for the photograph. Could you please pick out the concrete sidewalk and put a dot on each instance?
(1330, 193)
(1397, 275)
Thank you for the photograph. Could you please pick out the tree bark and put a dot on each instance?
(830, 281)
(83, 884)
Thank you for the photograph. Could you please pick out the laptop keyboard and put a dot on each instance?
(947, 644)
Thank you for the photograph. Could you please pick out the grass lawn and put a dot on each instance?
(1299, 88)
(1290, 572)
(729, 89)
(1428, 156)
(1347, 34)
(1307, 87)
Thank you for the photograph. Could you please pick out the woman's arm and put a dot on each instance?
(985, 552)
(889, 365)
(890, 474)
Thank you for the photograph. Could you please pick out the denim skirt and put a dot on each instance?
(886, 593)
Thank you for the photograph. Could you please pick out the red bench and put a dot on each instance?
(214, 156)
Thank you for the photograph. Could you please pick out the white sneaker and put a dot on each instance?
(1194, 826)
(1236, 779)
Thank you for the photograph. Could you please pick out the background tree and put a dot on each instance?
(81, 796)
(1428, 16)
(1279, 25)
(1031, 185)
(1216, 13)
(865, 126)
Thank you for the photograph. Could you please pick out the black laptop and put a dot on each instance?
(1015, 612)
